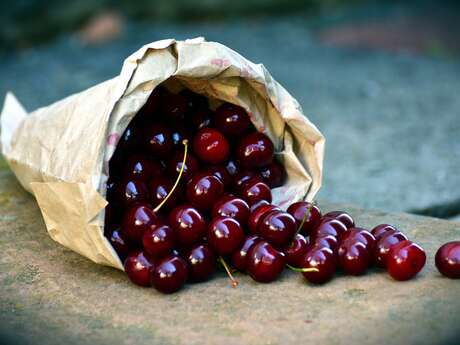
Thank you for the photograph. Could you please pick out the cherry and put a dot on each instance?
(201, 262)
(321, 258)
(254, 190)
(129, 140)
(152, 105)
(118, 243)
(258, 204)
(232, 167)
(130, 192)
(220, 172)
(384, 244)
(327, 227)
(241, 177)
(137, 267)
(195, 101)
(211, 146)
(255, 150)
(258, 214)
(158, 241)
(342, 216)
(169, 274)
(233, 207)
(448, 259)
(159, 189)
(361, 235)
(173, 106)
(188, 224)
(225, 235)
(381, 230)
(264, 263)
(136, 221)
(231, 119)
(405, 260)
(296, 250)
(299, 209)
(201, 118)
(174, 165)
(273, 174)
(327, 241)
(203, 191)
(141, 168)
(277, 228)
(157, 140)
(353, 256)
(178, 134)
(239, 258)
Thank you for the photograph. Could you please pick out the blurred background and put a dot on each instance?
(381, 79)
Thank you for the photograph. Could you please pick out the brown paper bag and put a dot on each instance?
(60, 153)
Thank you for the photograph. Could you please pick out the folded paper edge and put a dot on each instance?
(12, 115)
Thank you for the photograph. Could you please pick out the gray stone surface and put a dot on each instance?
(49, 295)
(391, 121)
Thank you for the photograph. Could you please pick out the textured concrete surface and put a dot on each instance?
(391, 120)
(49, 295)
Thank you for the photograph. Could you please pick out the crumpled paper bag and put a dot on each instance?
(60, 153)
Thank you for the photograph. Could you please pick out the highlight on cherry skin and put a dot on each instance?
(190, 194)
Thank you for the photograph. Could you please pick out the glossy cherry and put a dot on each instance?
(211, 146)
(118, 243)
(296, 250)
(201, 262)
(169, 274)
(200, 118)
(225, 235)
(342, 216)
(405, 260)
(384, 244)
(361, 235)
(239, 257)
(353, 257)
(173, 106)
(231, 120)
(329, 226)
(174, 165)
(258, 204)
(264, 262)
(137, 220)
(137, 267)
(130, 192)
(203, 191)
(327, 241)
(321, 258)
(179, 133)
(142, 168)
(277, 228)
(157, 140)
(130, 139)
(220, 172)
(159, 240)
(233, 207)
(313, 216)
(448, 259)
(273, 174)
(254, 190)
(195, 101)
(188, 224)
(159, 188)
(258, 214)
(255, 150)
(243, 176)
(381, 230)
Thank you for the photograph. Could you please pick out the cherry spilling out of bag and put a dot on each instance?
(189, 191)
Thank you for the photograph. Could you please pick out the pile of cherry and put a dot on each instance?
(190, 189)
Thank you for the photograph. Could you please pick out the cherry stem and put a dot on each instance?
(304, 219)
(185, 143)
(298, 269)
(234, 281)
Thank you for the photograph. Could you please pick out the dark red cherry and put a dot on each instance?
(296, 250)
(264, 263)
(188, 224)
(200, 119)
(233, 207)
(258, 204)
(405, 260)
(361, 235)
(130, 192)
(157, 140)
(201, 262)
(130, 139)
(258, 214)
(327, 227)
(254, 190)
(178, 134)
(342, 216)
(321, 258)
(232, 167)
(448, 259)
(118, 243)
(174, 165)
(225, 235)
(239, 257)
(231, 119)
(299, 209)
(158, 241)
(159, 189)
(220, 172)
(273, 174)
(243, 176)
(211, 146)
(137, 267)
(381, 230)
(203, 191)
(383, 245)
(195, 101)
(169, 274)
(142, 168)
(353, 257)
(328, 241)
(137, 220)
(173, 107)
(277, 228)
(255, 150)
